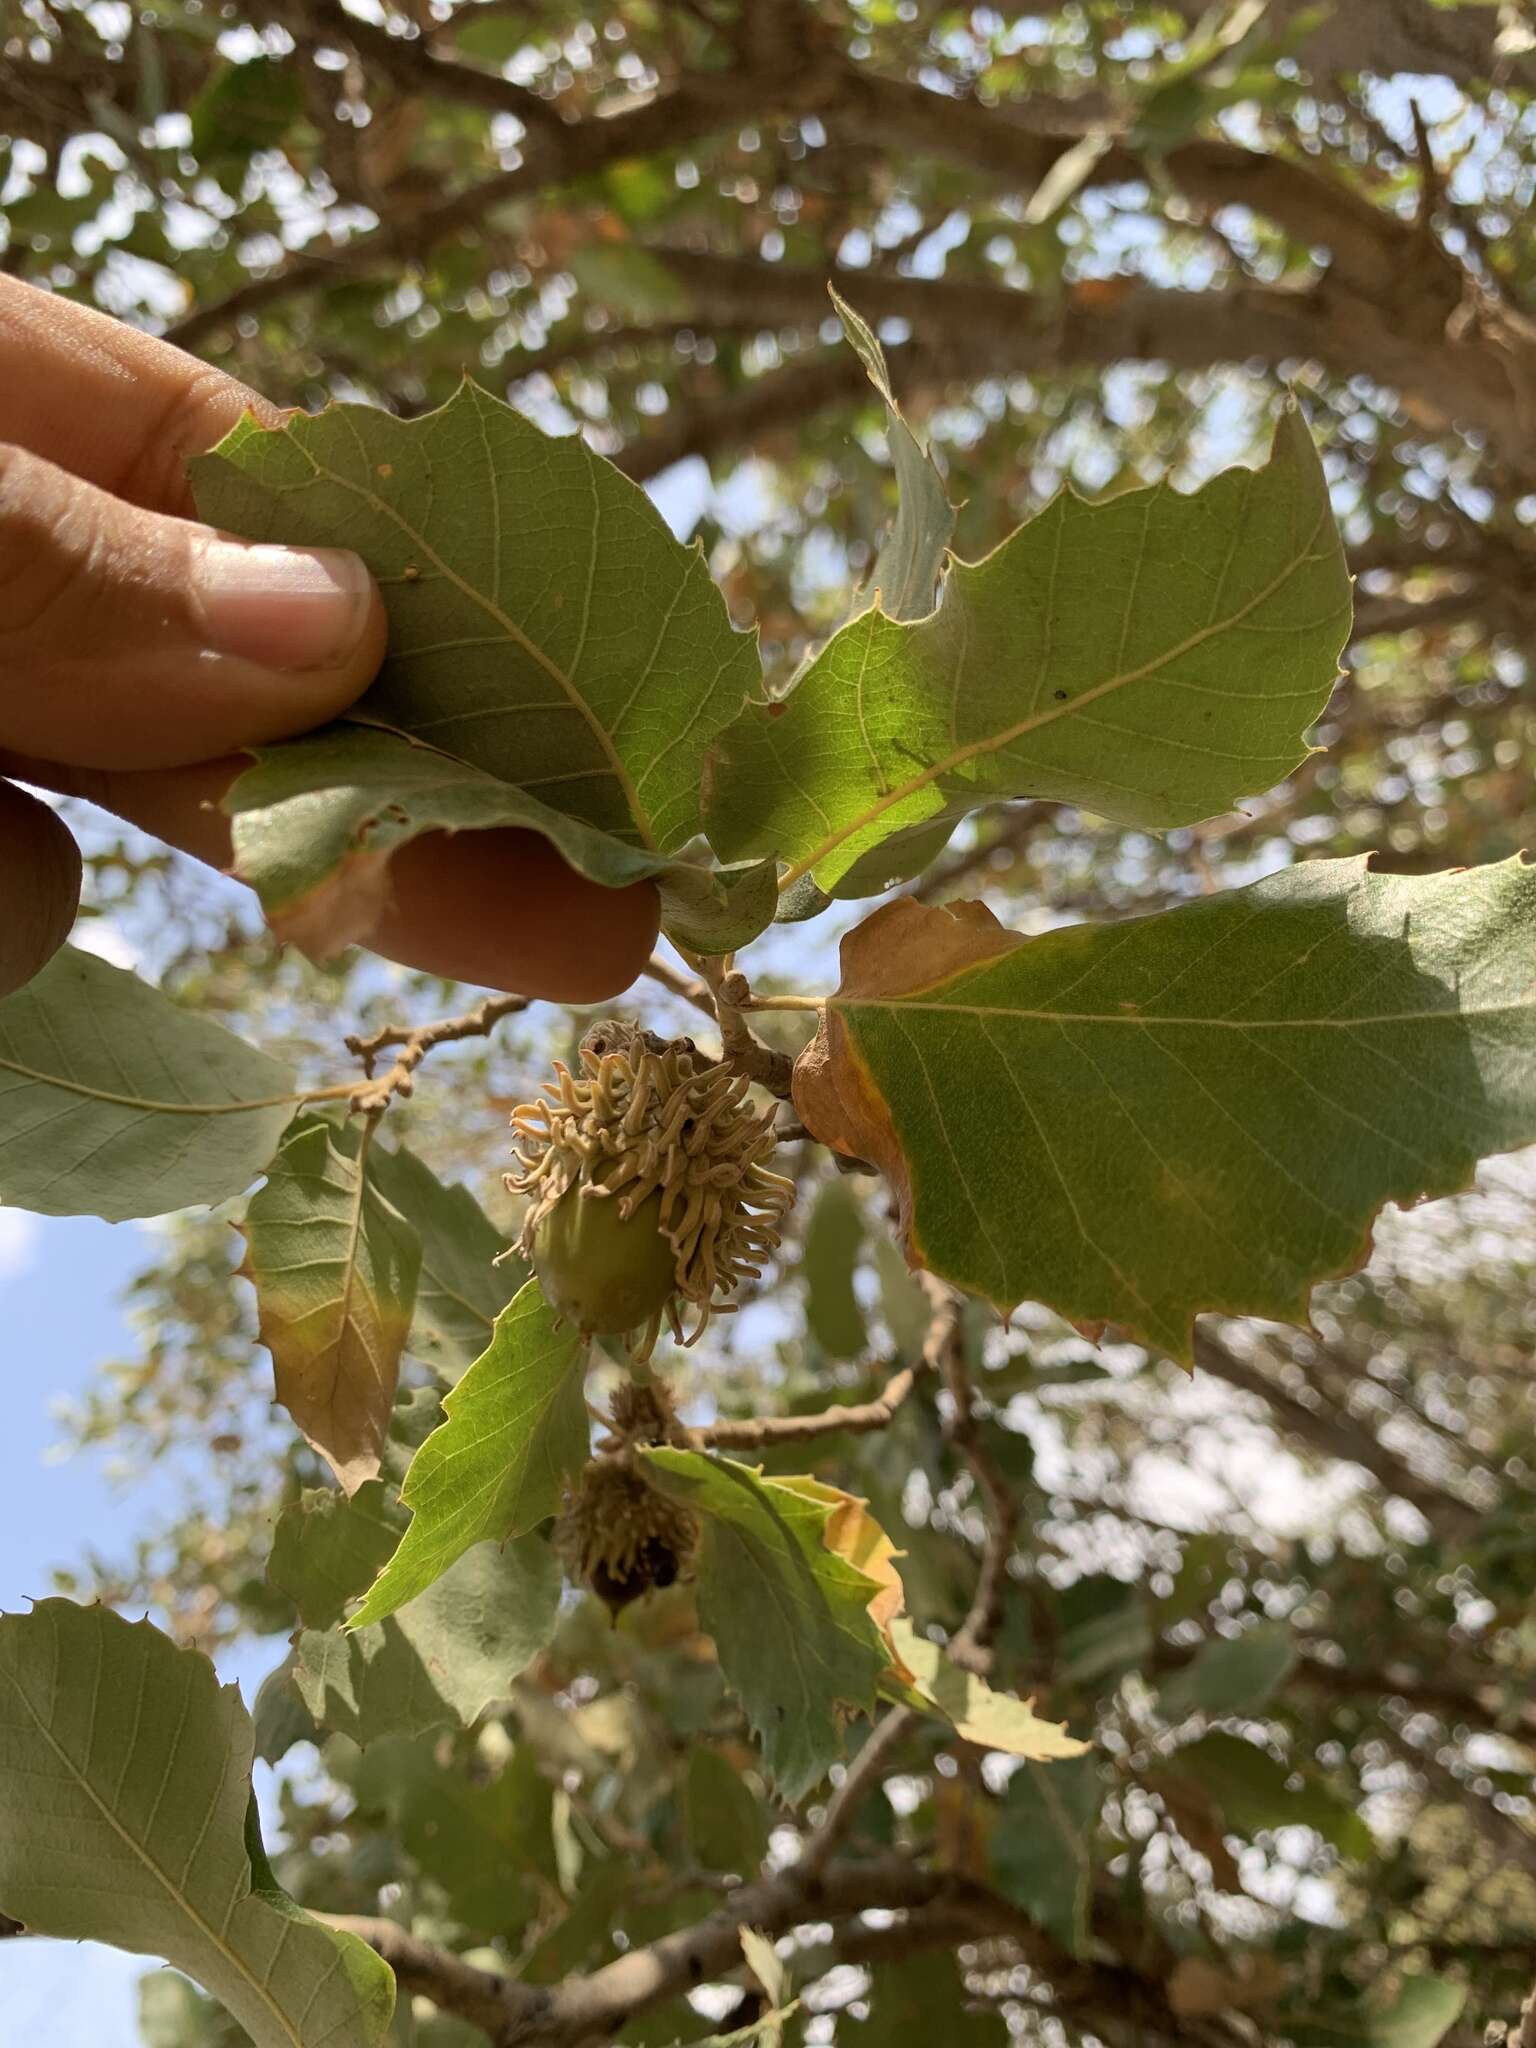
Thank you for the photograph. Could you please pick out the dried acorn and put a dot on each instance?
(648, 1186)
(621, 1537)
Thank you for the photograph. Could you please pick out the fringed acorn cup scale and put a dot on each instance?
(649, 1192)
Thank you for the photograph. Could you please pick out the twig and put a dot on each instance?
(944, 1349)
(858, 1781)
(1526, 2038)
(753, 1432)
(482, 1997)
(415, 1042)
(745, 1053)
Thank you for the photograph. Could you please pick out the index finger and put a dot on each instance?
(107, 402)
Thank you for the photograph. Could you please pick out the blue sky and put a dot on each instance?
(60, 1278)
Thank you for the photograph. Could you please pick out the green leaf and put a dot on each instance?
(1151, 658)
(1201, 1110)
(245, 108)
(993, 1720)
(316, 821)
(726, 1826)
(921, 1998)
(445, 1657)
(1231, 1674)
(116, 1102)
(334, 1266)
(516, 1429)
(904, 581)
(488, 1845)
(467, 1275)
(327, 1548)
(175, 2014)
(902, 1302)
(279, 1718)
(630, 280)
(1042, 1846)
(545, 627)
(1255, 1792)
(125, 1796)
(790, 1619)
(1114, 1633)
(1420, 2013)
(832, 1240)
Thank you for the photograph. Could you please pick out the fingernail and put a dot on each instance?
(286, 608)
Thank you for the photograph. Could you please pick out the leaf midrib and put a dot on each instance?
(903, 1007)
(993, 743)
(144, 1103)
(215, 1941)
(506, 623)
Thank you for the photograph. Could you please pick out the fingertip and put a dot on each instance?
(305, 628)
(502, 909)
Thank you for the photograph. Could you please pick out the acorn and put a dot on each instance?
(604, 1271)
(649, 1192)
(620, 1537)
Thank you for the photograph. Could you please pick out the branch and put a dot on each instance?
(859, 1780)
(411, 63)
(1338, 1435)
(1013, 828)
(416, 1041)
(552, 156)
(944, 1349)
(480, 1996)
(754, 1432)
(745, 1053)
(585, 2009)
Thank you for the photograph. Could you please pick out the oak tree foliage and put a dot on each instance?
(1017, 526)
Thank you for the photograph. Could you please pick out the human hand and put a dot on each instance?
(139, 650)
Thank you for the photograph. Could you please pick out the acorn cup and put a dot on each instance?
(620, 1537)
(649, 1192)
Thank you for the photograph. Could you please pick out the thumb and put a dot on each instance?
(129, 639)
(39, 885)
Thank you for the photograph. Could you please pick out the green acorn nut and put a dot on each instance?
(604, 1271)
(649, 1192)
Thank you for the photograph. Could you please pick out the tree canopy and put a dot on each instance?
(1014, 1680)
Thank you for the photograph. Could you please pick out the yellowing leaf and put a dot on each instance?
(1201, 1110)
(790, 1618)
(335, 1266)
(851, 1532)
(993, 1720)
(1152, 657)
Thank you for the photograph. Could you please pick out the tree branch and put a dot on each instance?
(412, 64)
(757, 1431)
(416, 1041)
(1337, 1434)
(944, 1350)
